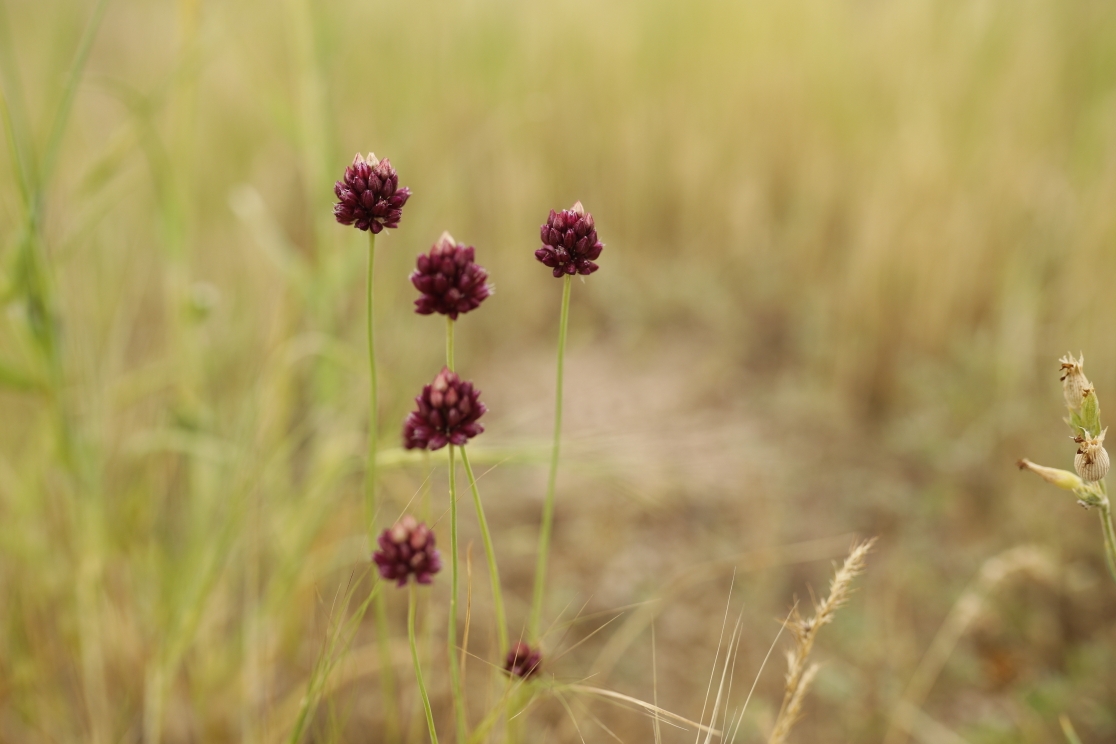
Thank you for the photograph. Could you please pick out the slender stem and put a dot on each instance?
(387, 672)
(455, 668)
(449, 343)
(387, 677)
(490, 556)
(426, 486)
(412, 600)
(1109, 532)
(518, 698)
(548, 505)
(373, 405)
(1109, 539)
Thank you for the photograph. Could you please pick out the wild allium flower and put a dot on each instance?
(522, 660)
(1092, 461)
(450, 280)
(447, 413)
(570, 242)
(406, 549)
(369, 197)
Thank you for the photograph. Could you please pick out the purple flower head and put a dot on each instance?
(406, 549)
(522, 660)
(447, 413)
(369, 197)
(450, 281)
(570, 242)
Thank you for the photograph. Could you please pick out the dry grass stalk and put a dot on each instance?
(662, 714)
(805, 630)
(1025, 559)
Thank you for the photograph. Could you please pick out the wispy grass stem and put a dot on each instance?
(411, 602)
(800, 672)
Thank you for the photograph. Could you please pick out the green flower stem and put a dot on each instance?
(1109, 531)
(412, 601)
(548, 505)
(449, 343)
(455, 668)
(1109, 539)
(387, 677)
(518, 699)
(490, 556)
(387, 673)
(373, 405)
(426, 486)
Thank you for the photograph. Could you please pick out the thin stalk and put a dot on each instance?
(426, 485)
(1109, 532)
(338, 638)
(449, 343)
(373, 406)
(490, 556)
(1109, 538)
(69, 91)
(383, 635)
(387, 672)
(455, 668)
(548, 505)
(412, 601)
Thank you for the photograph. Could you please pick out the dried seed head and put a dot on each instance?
(522, 660)
(369, 197)
(450, 281)
(570, 244)
(407, 549)
(1074, 382)
(447, 413)
(1092, 461)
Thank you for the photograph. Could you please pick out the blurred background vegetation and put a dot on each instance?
(847, 241)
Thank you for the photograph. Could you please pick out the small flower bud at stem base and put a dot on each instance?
(1060, 478)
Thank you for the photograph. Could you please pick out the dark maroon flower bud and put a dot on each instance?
(450, 280)
(570, 244)
(522, 661)
(369, 198)
(447, 413)
(407, 549)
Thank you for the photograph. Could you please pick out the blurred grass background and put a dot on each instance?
(846, 243)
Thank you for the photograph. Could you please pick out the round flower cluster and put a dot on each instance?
(407, 549)
(570, 242)
(369, 197)
(522, 660)
(450, 281)
(447, 413)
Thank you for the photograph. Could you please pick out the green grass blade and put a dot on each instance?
(69, 91)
